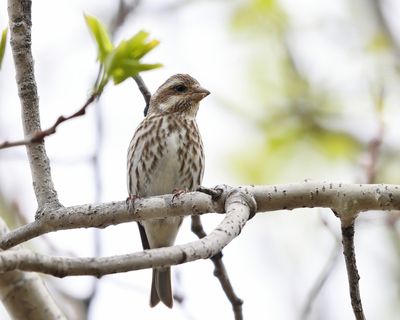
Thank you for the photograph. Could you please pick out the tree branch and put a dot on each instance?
(124, 10)
(145, 92)
(220, 272)
(352, 271)
(38, 136)
(347, 199)
(19, 13)
(239, 205)
(24, 295)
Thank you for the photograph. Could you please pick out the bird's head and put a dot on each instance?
(179, 94)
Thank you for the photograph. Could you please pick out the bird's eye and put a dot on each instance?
(180, 88)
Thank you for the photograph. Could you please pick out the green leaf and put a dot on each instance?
(132, 49)
(3, 42)
(100, 34)
(130, 68)
(137, 46)
(124, 61)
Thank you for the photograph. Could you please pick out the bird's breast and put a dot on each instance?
(165, 176)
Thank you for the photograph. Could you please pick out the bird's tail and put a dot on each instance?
(161, 287)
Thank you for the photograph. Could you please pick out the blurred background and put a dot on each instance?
(301, 89)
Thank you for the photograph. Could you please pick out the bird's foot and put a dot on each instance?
(177, 192)
(215, 193)
(130, 200)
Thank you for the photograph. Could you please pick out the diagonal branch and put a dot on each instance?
(19, 13)
(145, 92)
(38, 136)
(125, 8)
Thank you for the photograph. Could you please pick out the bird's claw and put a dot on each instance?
(131, 199)
(177, 192)
(215, 193)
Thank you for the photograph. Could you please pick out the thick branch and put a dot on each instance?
(103, 215)
(24, 295)
(346, 199)
(20, 36)
(239, 206)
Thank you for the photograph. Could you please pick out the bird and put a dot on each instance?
(165, 156)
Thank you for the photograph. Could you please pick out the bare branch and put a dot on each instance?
(38, 136)
(124, 10)
(19, 13)
(239, 205)
(24, 295)
(352, 197)
(352, 272)
(145, 92)
(9, 144)
(103, 215)
(220, 272)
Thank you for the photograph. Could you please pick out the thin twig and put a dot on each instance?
(124, 10)
(10, 144)
(352, 271)
(145, 92)
(38, 136)
(220, 271)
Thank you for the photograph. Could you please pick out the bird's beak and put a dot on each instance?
(200, 93)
